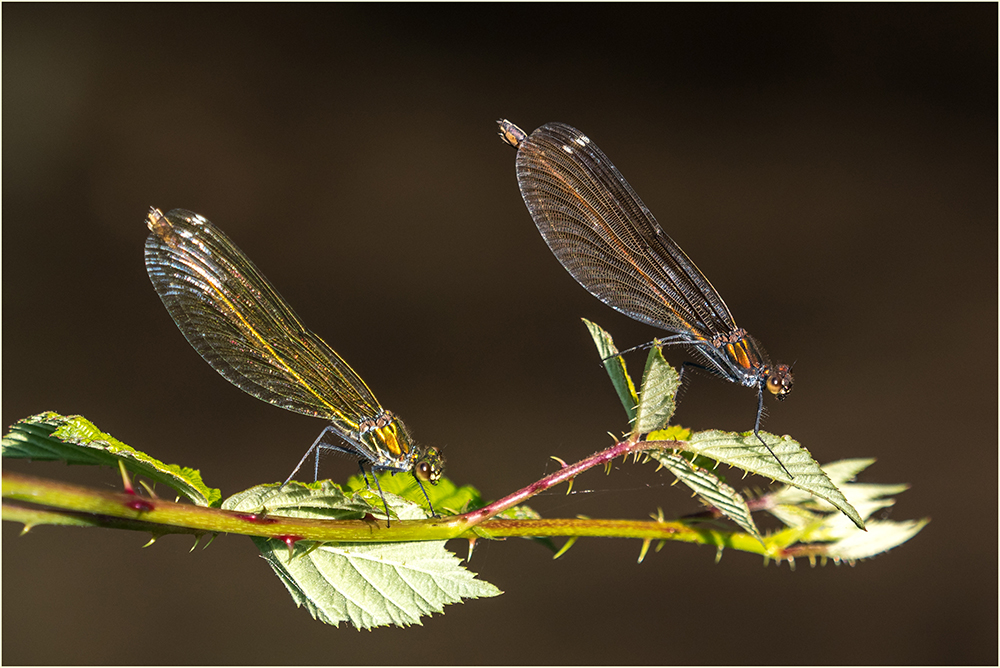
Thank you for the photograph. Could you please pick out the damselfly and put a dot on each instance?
(607, 239)
(243, 328)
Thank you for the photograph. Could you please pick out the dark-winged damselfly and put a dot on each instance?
(608, 240)
(243, 328)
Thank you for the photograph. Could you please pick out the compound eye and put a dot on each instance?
(779, 383)
(423, 471)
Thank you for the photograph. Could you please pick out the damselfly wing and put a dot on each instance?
(608, 240)
(232, 315)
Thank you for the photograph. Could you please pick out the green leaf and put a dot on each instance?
(798, 517)
(366, 584)
(881, 536)
(32, 517)
(374, 584)
(521, 512)
(656, 401)
(709, 488)
(49, 436)
(615, 366)
(674, 432)
(867, 498)
(812, 520)
(322, 500)
(845, 470)
(840, 473)
(745, 452)
(651, 408)
(447, 497)
(797, 509)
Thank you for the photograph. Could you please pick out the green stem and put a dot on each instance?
(55, 502)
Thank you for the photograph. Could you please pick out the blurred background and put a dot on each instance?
(831, 169)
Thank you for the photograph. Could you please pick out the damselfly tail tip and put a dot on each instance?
(510, 133)
(154, 219)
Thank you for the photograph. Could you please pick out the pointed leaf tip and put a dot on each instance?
(745, 452)
(615, 366)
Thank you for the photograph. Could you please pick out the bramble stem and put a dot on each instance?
(54, 502)
(80, 505)
(564, 474)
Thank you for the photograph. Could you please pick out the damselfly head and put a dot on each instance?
(779, 381)
(429, 466)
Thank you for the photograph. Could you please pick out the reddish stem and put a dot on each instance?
(564, 474)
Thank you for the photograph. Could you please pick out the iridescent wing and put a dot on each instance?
(606, 238)
(239, 323)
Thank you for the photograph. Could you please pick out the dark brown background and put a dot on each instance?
(832, 170)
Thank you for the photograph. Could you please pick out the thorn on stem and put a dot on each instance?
(126, 483)
(312, 548)
(136, 504)
(290, 540)
(568, 544)
(149, 490)
(645, 548)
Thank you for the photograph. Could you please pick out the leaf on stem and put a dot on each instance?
(366, 584)
(74, 439)
(31, 517)
(656, 400)
(615, 366)
(652, 407)
(321, 500)
(709, 488)
(374, 584)
(655, 406)
(818, 522)
(447, 497)
(882, 536)
(523, 512)
(744, 451)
